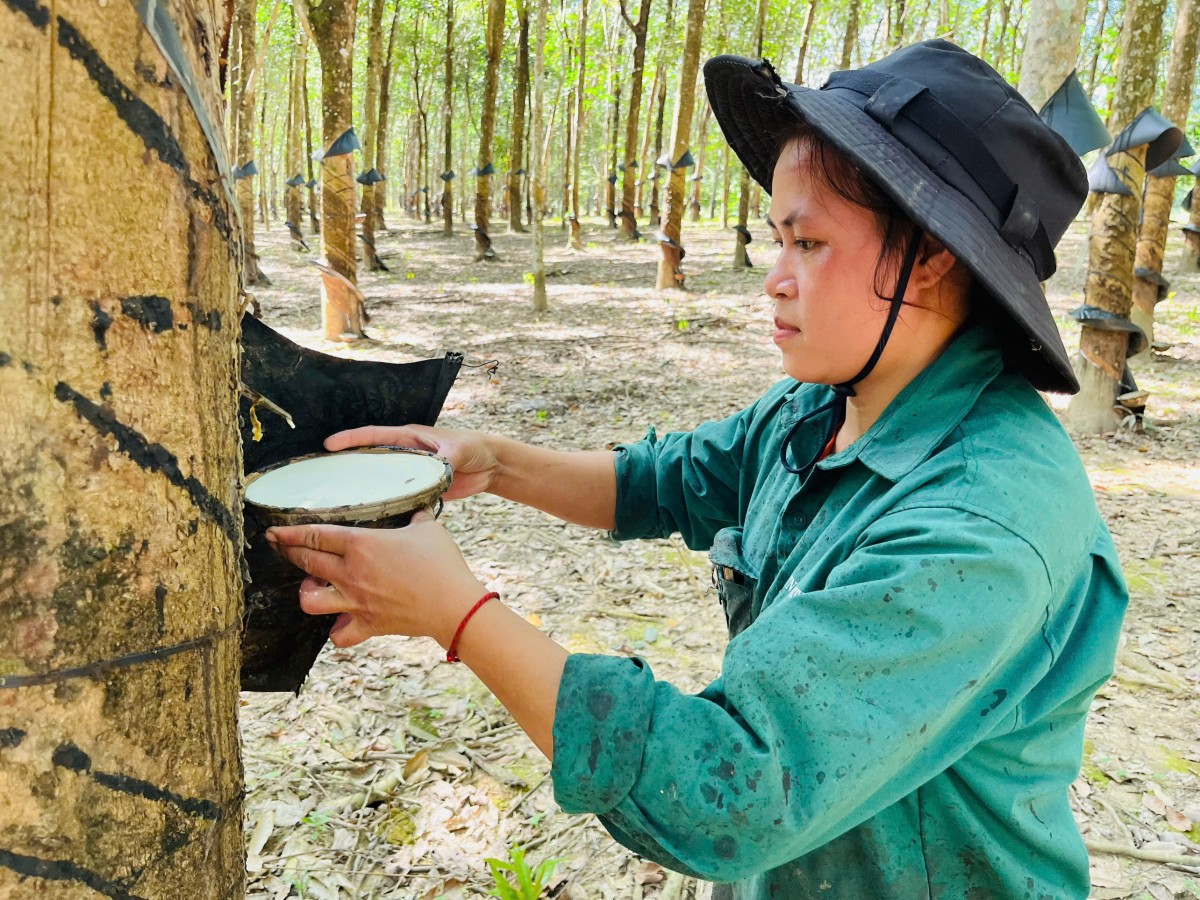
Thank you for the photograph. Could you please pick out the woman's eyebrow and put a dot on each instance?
(791, 219)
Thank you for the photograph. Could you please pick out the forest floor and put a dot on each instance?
(393, 775)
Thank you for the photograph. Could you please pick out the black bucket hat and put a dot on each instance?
(959, 150)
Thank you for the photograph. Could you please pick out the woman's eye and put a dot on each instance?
(777, 242)
(806, 245)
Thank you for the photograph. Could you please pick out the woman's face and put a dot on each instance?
(828, 317)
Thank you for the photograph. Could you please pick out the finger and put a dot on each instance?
(320, 598)
(347, 631)
(326, 538)
(374, 436)
(329, 566)
(421, 515)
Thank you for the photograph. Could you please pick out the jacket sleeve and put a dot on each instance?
(833, 705)
(693, 483)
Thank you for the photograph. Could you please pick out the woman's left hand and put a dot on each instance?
(411, 580)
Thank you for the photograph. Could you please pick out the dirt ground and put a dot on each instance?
(394, 775)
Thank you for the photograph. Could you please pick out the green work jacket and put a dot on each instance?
(918, 629)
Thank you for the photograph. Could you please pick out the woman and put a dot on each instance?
(921, 595)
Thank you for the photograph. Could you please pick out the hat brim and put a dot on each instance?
(754, 113)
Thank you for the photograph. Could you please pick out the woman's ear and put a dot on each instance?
(934, 263)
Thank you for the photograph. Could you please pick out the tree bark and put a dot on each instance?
(629, 177)
(1160, 192)
(850, 38)
(378, 191)
(448, 126)
(1114, 223)
(120, 592)
(810, 16)
(698, 174)
(1051, 45)
(370, 119)
(295, 127)
(517, 132)
(575, 232)
(487, 127)
(314, 213)
(670, 265)
(537, 164)
(245, 29)
(614, 124)
(740, 258)
(332, 24)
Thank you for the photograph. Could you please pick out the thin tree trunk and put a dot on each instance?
(378, 191)
(645, 163)
(850, 37)
(487, 126)
(1051, 45)
(517, 134)
(242, 103)
(1113, 232)
(370, 135)
(537, 161)
(614, 123)
(575, 234)
(670, 265)
(1091, 84)
(896, 37)
(120, 582)
(698, 175)
(314, 212)
(332, 24)
(810, 16)
(655, 212)
(741, 238)
(629, 176)
(727, 171)
(1156, 209)
(295, 127)
(448, 126)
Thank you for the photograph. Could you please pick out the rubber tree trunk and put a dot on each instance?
(314, 196)
(670, 264)
(1051, 46)
(740, 259)
(120, 592)
(244, 35)
(448, 126)
(1112, 238)
(810, 17)
(1148, 287)
(487, 127)
(697, 178)
(627, 223)
(537, 166)
(370, 120)
(295, 128)
(575, 234)
(850, 37)
(378, 191)
(517, 135)
(333, 30)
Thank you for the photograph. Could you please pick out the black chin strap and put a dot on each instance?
(845, 390)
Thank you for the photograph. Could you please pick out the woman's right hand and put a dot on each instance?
(468, 452)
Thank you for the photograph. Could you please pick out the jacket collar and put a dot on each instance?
(920, 417)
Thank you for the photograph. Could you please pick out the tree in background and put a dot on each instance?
(1114, 223)
(491, 84)
(370, 121)
(119, 626)
(537, 163)
(631, 170)
(243, 40)
(1051, 48)
(741, 238)
(1148, 285)
(517, 139)
(670, 264)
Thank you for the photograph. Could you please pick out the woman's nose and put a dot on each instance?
(779, 284)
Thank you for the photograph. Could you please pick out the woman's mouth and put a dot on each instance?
(783, 331)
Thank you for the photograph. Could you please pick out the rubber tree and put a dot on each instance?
(575, 232)
(670, 263)
(629, 175)
(332, 26)
(370, 132)
(740, 259)
(517, 133)
(1113, 236)
(810, 18)
(295, 127)
(241, 105)
(487, 128)
(1051, 47)
(448, 127)
(537, 166)
(1148, 284)
(378, 191)
(121, 536)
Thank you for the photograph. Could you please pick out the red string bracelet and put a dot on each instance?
(452, 650)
